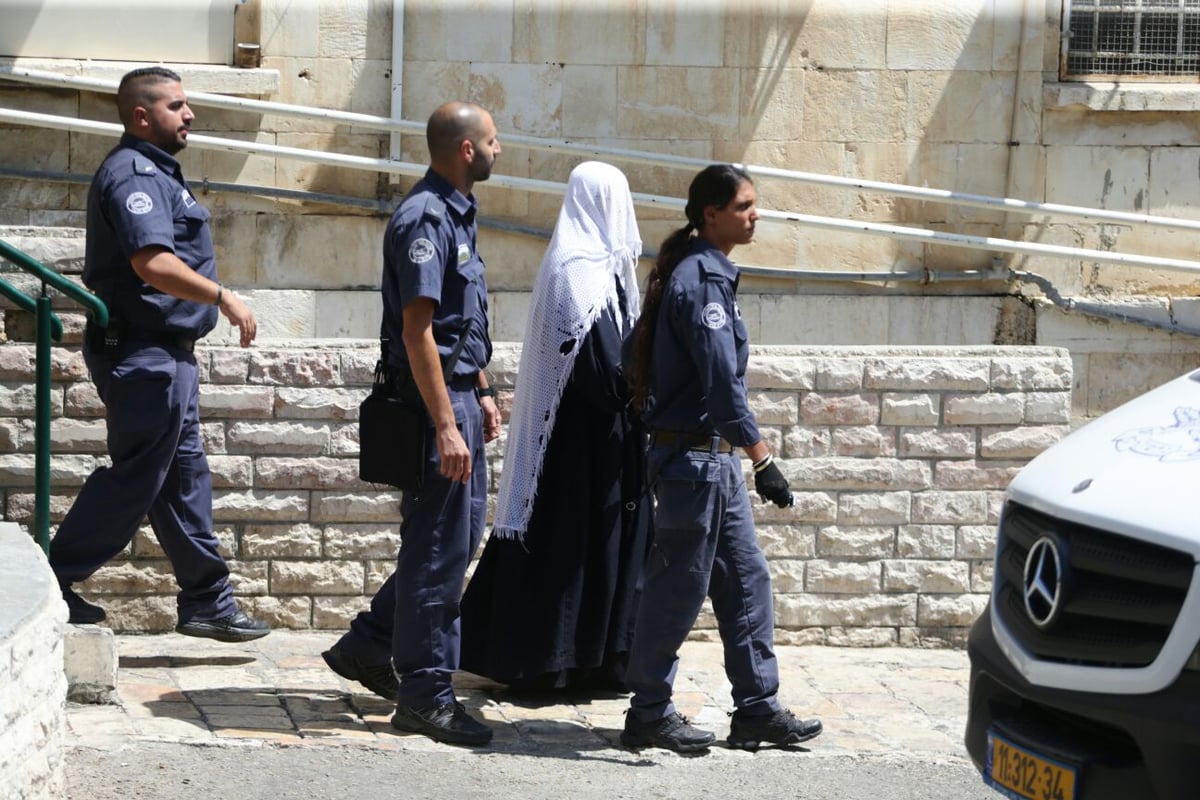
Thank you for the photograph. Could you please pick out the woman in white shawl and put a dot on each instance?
(553, 599)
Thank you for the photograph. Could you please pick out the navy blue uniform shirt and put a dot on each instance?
(138, 198)
(429, 251)
(701, 348)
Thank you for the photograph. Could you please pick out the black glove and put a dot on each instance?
(770, 483)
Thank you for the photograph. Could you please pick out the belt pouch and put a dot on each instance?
(102, 341)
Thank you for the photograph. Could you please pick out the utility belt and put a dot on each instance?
(401, 384)
(710, 443)
(463, 383)
(107, 341)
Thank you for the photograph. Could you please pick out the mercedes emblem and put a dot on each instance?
(1043, 582)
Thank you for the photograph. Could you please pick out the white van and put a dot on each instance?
(1085, 672)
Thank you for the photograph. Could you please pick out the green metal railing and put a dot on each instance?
(49, 326)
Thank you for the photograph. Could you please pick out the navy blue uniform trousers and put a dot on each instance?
(704, 544)
(151, 400)
(414, 617)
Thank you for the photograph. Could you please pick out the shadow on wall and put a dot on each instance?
(973, 80)
(337, 57)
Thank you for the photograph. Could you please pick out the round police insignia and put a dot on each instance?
(420, 251)
(713, 315)
(139, 203)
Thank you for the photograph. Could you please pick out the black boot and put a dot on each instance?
(236, 627)
(81, 611)
(781, 727)
(379, 678)
(672, 732)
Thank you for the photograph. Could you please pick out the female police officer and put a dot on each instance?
(687, 366)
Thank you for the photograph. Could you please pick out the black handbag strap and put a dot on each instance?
(452, 359)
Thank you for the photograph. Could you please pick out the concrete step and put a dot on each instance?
(29, 597)
(90, 662)
(59, 249)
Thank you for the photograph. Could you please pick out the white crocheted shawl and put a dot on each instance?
(594, 248)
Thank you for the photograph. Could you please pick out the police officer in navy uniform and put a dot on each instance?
(149, 257)
(687, 365)
(434, 293)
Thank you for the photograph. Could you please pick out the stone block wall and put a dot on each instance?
(954, 96)
(33, 686)
(898, 456)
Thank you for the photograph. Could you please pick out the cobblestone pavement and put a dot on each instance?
(889, 701)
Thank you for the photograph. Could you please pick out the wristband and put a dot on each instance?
(486, 391)
(220, 291)
(763, 463)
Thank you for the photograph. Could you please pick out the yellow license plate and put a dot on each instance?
(1025, 775)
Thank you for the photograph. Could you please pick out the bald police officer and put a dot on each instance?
(434, 294)
(149, 257)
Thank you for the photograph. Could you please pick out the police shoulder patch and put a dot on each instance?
(139, 203)
(420, 251)
(713, 316)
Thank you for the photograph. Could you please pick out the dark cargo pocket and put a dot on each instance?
(687, 487)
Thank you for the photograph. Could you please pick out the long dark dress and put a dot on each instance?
(558, 612)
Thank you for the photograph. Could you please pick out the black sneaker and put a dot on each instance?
(747, 731)
(673, 732)
(237, 627)
(81, 611)
(448, 722)
(379, 678)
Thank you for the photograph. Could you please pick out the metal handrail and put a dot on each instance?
(987, 243)
(48, 276)
(384, 207)
(27, 303)
(372, 122)
(48, 327)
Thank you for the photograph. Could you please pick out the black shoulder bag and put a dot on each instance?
(393, 425)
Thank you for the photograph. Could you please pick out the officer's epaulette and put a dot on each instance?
(143, 166)
(435, 208)
(710, 270)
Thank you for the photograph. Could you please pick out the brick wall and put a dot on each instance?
(899, 458)
(33, 687)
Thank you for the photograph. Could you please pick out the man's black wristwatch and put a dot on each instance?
(486, 391)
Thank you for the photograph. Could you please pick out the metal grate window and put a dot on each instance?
(1147, 39)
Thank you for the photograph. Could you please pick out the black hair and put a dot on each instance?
(715, 185)
(137, 89)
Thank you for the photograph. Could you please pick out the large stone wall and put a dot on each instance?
(899, 457)
(960, 96)
(33, 686)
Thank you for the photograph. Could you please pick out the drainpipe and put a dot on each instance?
(397, 74)
(1013, 143)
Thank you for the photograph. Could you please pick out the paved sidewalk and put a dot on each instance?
(897, 702)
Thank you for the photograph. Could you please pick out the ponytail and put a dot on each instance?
(637, 371)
